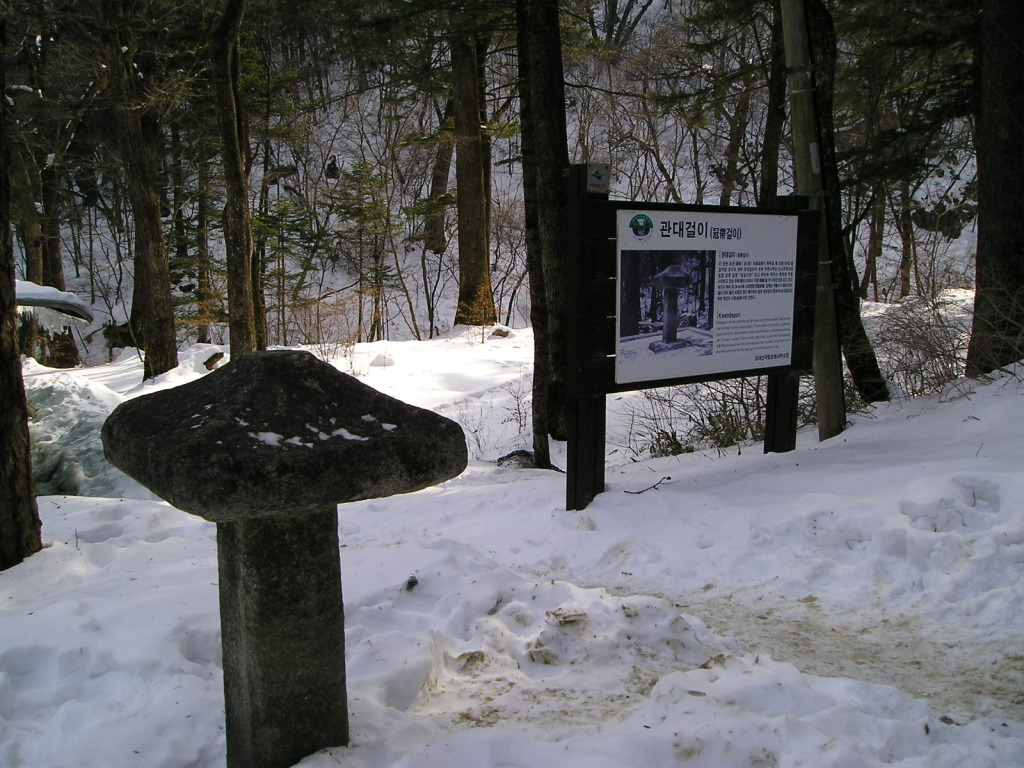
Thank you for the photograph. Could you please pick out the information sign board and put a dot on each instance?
(702, 293)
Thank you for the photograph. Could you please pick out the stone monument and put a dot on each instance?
(267, 447)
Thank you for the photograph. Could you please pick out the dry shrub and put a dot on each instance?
(922, 343)
(714, 415)
(329, 326)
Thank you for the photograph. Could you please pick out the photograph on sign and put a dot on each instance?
(703, 293)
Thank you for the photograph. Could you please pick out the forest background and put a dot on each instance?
(350, 120)
(376, 164)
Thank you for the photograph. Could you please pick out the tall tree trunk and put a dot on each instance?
(476, 302)
(435, 237)
(997, 336)
(53, 262)
(538, 296)
(204, 294)
(19, 516)
(433, 229)
(876, 233)
(62, 351)
(259, 298)
(545, 170)
(737, 132)
(483, 44)
(151, 302)
(905, 225)
(696, 162)
(860, 354)
(830, 400)
(182, 264)
(260, 238)
(178, 197)
(237, 224)
(30, 232)
(775, 115)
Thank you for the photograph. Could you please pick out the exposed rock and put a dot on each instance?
(518, 459)
(278, 433)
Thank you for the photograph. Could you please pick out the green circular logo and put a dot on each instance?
(641, 226)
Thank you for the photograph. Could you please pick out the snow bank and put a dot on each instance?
(854, 603)
(67, 455)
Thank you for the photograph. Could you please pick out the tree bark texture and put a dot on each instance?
(242, 325)
(434, 234)
(997, 336)
(30, 232)
(19, 517)
(775, 115)
(482, 44)
(860, 354)
(545, 170)
(151, 302)
(876, 239)
(476, 301)
(62, 352)
(538, 297)
(204, 294)
(738, 123)
(905, 226)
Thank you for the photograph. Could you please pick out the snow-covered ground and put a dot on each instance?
(855, 603)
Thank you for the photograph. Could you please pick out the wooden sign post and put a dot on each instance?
(661, 295)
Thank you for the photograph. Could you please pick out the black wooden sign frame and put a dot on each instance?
(592, 295)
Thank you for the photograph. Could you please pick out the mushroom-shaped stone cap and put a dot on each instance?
(278, 433)
(675, 276)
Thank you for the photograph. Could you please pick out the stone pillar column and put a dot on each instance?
(670, 324)
(283, 635)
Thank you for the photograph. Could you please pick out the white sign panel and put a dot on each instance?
(703, 293)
